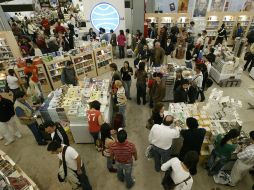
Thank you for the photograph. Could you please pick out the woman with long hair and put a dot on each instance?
(141, 76)
(158, 113)
(127, 72)
(107, 140)
(224, 147)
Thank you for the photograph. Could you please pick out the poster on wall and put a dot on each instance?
(217, 5)
(166, 6)
(233, 5)
(200, 8)
(183, 6)
(248, 5)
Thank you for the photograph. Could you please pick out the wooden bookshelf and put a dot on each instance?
(103, 57)
(84, 65)
(54, 69)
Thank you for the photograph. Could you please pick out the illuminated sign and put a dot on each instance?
(105, 16)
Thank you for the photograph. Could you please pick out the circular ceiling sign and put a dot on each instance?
(105, 16)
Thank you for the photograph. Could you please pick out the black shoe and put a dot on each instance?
(144, 102)
(129, 98)
(43, 143)
(251, 172)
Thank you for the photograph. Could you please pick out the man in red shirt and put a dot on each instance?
(95, 120)
(123, 152)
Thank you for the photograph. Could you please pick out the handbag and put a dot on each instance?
(64, 166)
(167, 181)
(148, 152)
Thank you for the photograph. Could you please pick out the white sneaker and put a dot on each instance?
(1, 138)
(9, 142)
(18, 135)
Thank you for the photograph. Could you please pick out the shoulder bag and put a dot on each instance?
(64, 165)
(167, 181)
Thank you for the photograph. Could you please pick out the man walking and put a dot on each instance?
(123, 152)
(25, 113)
(8, 127)
(158, 54)
(72, 160)
(161, 137)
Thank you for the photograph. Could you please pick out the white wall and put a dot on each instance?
(128, 19)
(118, 4)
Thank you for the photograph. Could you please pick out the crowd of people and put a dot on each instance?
(111, 139)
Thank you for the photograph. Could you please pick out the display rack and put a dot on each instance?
(168, 19)
(12, 176)
(103, 57)
(213, 23)
(42, 75)
(216, 19)
(54, 69)
(84, 65)
(2, 82)
(5, 51)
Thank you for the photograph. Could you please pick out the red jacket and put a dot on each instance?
(121, 40)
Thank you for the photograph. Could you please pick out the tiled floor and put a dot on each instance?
(42, 166)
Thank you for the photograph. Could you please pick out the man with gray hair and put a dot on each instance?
(158, 54)
(161, 137)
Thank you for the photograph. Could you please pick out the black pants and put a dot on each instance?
(141, 93)
(95, 136)
(83, 179)
(202, 95)
(249, 61)
(219, 40)
(15, 92)
(121, 52)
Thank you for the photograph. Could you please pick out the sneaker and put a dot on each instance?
(112, 170)
(43, 143)
(9, 142)
(1, 138)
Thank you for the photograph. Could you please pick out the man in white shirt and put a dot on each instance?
(244, 162)
(73, 161)
(161, 137)
(198, 81)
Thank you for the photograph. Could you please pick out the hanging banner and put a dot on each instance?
(183, 6)
(200, 8)
(217, 5)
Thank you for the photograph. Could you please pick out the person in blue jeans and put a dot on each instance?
(123, 152)
(161, 137)
(25, 113)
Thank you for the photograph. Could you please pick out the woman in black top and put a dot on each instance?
(222, 33)
(158, 113)
(126, 73)
(192, 140)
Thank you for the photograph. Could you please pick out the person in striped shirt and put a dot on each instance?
(123, 152)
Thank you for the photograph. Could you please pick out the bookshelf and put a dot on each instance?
(84, 65)
(54, 69)
(103, 57)
(42, 75)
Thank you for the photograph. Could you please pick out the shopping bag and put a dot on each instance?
(148, 152)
